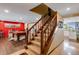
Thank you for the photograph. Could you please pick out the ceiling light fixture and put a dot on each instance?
(68, 9)
(6, 11)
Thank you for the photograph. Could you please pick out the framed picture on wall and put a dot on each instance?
(60, 25)
(9, 25)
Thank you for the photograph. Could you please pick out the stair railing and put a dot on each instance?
(33, 30)
(46, 35)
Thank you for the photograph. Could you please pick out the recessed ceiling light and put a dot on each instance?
(6, 11)
(68, 9)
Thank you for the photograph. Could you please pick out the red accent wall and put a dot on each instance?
(6, 30)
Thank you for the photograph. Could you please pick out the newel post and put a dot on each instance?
(42, 41)
(27, 36)
(26, 39)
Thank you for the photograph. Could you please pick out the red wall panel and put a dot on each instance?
(6, 30)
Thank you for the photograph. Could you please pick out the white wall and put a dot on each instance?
(71, 19)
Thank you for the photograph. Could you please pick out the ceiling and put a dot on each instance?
(17, 7)
(23, 8)
(62, 8)
(18, 12)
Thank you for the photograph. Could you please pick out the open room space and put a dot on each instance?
(39, 29)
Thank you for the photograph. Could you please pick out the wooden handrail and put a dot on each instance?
(45, 47)
(37, 22)
(45, 41)
(49, 41)
(47, 21)
(29, 35)
(48, 24)
(45, 24)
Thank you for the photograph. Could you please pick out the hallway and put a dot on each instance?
(68, 47)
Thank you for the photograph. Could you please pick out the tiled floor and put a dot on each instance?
(68, 47)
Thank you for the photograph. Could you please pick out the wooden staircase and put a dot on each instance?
(40, 36)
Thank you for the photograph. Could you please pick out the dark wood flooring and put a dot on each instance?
(7, 47)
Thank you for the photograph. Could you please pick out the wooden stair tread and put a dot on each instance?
(37, 37)
(40, 34)
(18, 52)
(27, 51)
(34, 49)
(36, 43)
